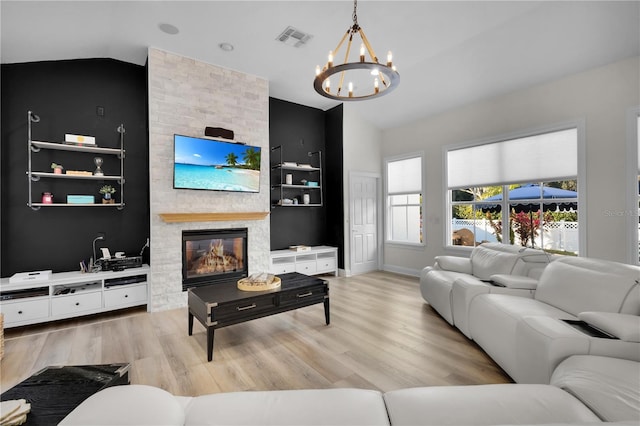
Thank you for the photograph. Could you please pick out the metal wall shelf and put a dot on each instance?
(35, 176)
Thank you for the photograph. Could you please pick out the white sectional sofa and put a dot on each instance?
(450, 284)
(583, 390)
(529, 337)
(529, 311)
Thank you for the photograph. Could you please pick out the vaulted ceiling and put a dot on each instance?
(448, 53)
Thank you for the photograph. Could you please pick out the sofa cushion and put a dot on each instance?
(580, 284)
(623, 326)
(436, 289)
(289, 407)
(514, 281)
(485, 405)
(610, 387)
(493, 320)
(486, 261)
(454, 264)
(128, 405)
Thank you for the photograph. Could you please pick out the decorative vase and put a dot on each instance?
(57, 171)
(98, 163)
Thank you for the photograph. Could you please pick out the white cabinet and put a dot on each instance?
(20, 311)
(316, 260)
(71, 294)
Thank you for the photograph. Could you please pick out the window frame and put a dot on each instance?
(578, 124)
(633, 197)
(387, 200)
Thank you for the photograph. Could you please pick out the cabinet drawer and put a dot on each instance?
(308, 267)
(242, 308)
(25, 310)
(283, 268)
(326, 264)
(303, 295)
(69, 305)
(125, 296)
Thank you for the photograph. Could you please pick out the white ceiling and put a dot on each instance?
(448, 53)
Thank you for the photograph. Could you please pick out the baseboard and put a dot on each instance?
(401, 270)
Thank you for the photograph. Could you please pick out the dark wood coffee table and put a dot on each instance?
(222, 304)
(54, 392)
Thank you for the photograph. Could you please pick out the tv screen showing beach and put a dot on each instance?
(215, 165)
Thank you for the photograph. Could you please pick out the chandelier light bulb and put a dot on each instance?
(389, 59)
(330, 60)
(327, 86)
(376, 88)
(350, 89)
(362, 52)
(318, 70)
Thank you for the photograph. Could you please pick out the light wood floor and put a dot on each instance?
(382, 336)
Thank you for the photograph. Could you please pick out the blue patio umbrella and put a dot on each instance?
(532, 192)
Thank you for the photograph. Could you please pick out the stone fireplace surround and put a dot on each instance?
(185, 96)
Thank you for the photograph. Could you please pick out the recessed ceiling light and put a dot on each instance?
(168, 28)
(227, 47)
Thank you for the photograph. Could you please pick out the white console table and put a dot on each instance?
(317, 260)
(72, 294)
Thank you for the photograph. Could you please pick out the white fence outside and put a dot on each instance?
(559, 235)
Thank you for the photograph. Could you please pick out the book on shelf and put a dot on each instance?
(300, 248)
(79, 173)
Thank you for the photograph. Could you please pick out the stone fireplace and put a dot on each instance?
(185, 96)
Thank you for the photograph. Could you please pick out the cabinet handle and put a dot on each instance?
(244, 308)
(19, 312)
(126, 295)
(77, 303)
(309, 293)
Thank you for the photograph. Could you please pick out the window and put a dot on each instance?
(404, 199)
(521, 191)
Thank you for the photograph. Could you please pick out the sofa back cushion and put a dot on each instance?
(487, 260)
(576, 284)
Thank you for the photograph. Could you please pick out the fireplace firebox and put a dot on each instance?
(213, 256)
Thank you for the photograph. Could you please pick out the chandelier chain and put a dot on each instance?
(355, 14)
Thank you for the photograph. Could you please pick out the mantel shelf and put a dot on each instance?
(209, 217)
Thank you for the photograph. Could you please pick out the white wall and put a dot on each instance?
(185, 96)
(600, 96)
(361, 153)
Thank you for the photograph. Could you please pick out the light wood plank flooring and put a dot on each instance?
(382, 336)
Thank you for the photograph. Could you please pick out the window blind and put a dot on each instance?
(404, 176)
(536, 158)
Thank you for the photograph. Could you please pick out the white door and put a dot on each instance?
(364, 223)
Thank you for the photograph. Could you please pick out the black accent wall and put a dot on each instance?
(300, 129)
(66, 96)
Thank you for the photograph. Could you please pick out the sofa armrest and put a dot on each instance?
(454, 264)
(623, 326)
(463, 291)
(514, 281)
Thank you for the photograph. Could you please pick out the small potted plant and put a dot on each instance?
(107, 191)
(57, 168)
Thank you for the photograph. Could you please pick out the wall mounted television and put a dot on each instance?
(216, 165)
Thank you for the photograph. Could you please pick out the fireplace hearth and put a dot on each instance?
(213, 256)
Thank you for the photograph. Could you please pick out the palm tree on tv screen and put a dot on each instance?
(252, 158)
(232, 159)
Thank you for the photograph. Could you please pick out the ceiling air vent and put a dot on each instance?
(294, 37)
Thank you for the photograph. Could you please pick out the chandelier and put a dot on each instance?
(372, 79)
